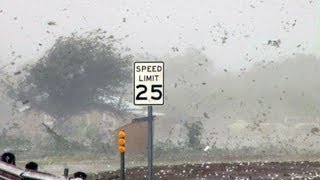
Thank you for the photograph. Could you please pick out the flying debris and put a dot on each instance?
(52, 23)
(206, 115)
(23, 108)
(224, 39)
(17, 73)
(275, 43)
(206, 148)
(25, 102)
(315, 130)
(295, 22)
(175, 49)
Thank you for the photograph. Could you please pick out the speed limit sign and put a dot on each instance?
(148, 83)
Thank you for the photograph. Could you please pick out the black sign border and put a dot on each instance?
(134, 83)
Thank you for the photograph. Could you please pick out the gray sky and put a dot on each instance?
(155, 26)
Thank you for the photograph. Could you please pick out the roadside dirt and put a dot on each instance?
(245, 170)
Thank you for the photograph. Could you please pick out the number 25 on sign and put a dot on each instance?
(148, 83)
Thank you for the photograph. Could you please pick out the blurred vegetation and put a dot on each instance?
(78, 74)
(194, 134)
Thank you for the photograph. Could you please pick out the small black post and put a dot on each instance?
(66, 172)
(122, 150)
(122, 167)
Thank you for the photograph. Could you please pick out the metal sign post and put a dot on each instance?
(150, 143)
(148, 90)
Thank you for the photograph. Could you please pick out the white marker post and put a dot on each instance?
(148, 91)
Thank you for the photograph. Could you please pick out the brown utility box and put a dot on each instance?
(136, 136)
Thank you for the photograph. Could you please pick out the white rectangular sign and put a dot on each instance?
(148, 83)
